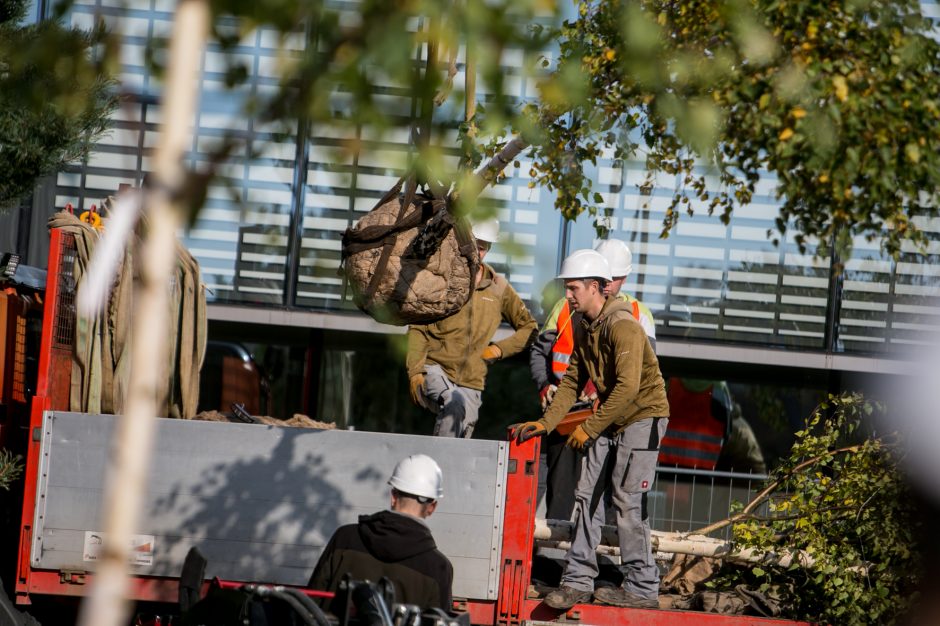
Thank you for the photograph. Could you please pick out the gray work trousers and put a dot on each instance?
(457, 408)
(625, 464)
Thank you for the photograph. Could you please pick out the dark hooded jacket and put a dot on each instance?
(394, 545)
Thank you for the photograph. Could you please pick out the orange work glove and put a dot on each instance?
(578, 439)
(526, 430)
(416, 383)
(492, 353)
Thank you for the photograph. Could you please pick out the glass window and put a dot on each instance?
(706, 281)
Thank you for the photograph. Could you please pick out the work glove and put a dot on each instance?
(492, 353)
(416, 382)
(578, 439)
(524, 431)
(589, 393)
(547, 394)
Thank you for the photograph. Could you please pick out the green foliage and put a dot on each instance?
(54, 98)
(11, 468)
(837, 99)
(841, 500)
(356, 56)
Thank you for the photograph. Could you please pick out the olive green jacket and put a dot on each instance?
(614, 352)
(456, 343)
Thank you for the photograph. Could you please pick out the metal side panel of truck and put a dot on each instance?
(260, 502)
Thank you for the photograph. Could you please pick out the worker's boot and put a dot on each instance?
(566, 597)
(618, 596)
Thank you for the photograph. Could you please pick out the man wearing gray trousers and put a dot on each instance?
(621, 439)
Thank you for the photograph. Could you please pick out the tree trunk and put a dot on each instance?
(557, 534)
(107, 604)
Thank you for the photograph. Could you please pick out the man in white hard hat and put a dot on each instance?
(621, 438)
(548, 361)
(447, 361)
(396, 543)
(620, 259)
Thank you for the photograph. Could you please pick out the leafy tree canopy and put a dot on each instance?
(838, 100)
(54, 98)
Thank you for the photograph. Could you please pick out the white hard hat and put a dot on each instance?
(486, 230)
(418, 475)
(585, 263)
(618, 256)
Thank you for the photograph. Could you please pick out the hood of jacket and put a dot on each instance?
(611, 306)
(391, 536)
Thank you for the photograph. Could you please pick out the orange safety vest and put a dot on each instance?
(564, 343)
(694, 436)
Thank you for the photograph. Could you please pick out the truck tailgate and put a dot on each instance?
(260, 501)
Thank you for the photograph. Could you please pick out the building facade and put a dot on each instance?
(729, 304)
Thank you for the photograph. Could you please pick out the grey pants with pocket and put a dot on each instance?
(457, 408)
(626, 464)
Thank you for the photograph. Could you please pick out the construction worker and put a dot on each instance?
(621, 439)
(741, 452)
(447, 360)
(700, 421)
(707, 430)
(548, 361)
(396, 544)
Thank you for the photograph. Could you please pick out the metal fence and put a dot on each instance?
(685, 499)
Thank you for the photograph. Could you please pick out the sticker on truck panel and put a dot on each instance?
(141, 548)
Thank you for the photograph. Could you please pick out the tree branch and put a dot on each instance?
(765, 493)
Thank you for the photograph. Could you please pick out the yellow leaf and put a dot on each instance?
(609, 54)
(785, 134)
(912, 152)
(798, 112)
(841, 88)
(824, 178)
(811, 30)
(764, 101)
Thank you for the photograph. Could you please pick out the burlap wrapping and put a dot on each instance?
(402, 289)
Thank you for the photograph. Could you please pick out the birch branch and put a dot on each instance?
(765, 493)
(488, 173)
(557, 534)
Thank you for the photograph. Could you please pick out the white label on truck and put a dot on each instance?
(141, 548)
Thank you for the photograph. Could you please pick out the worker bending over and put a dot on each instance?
(610, 348)
(396, 544)
(447, 360)
(548, 361)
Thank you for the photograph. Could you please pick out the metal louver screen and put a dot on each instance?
(707, 281)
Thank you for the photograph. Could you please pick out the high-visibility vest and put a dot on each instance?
(694, 436)
(564, 342)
